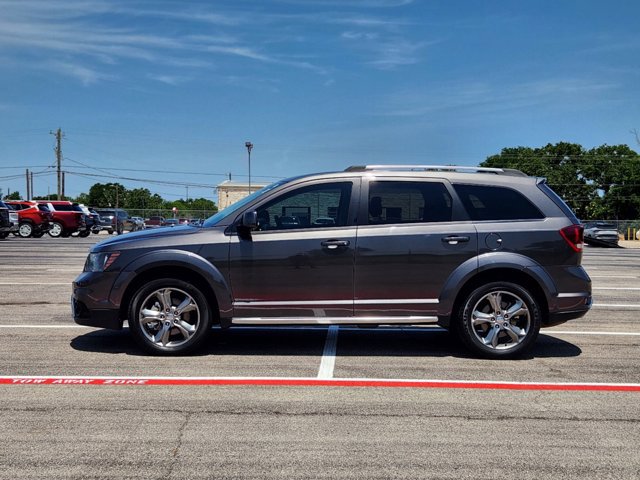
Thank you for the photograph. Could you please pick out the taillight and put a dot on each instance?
(574, 235)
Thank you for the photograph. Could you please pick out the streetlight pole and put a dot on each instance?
(249, 146)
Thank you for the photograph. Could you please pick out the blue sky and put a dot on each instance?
(165, 93)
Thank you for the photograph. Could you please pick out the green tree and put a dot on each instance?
(107, 195)
(615, 172)
(141, 198)
(13, 196)
(560, 164)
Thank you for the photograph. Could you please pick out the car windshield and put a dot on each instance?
(215, 219)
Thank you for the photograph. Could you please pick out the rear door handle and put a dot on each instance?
(455, 239)
(333, 244)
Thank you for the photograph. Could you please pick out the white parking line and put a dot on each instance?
(613, 276)
(44, 326)
(616, 288)
(567, 332)
(328, 361)
(616, 305)
(36, 283)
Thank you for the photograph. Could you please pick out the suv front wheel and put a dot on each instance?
(169, 316)
(25, 230)
(499, 320)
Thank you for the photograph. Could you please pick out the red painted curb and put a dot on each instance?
(314, 382)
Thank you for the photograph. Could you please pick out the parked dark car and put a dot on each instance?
(116, 220)
(8, 220)
(492, 254)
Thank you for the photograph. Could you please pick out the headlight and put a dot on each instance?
(99, 262)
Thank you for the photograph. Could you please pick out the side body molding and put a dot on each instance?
(485, 263)
(175, 258)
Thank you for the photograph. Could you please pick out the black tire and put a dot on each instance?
(503, 330)
(25, 230)
(84, 233)
(110, 232)
(56, 230)
(184, 330)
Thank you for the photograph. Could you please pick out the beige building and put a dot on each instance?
(230, 192)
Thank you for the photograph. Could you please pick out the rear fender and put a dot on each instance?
(485, 263)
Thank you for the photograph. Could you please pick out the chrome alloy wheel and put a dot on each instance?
(169, 317)
(501, 320)
(25, 230)
(55, 230)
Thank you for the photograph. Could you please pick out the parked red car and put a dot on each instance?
(34, 219)
(153, 222)
(68, 218)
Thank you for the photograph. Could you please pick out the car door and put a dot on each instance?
(298, 265)
(411, 238)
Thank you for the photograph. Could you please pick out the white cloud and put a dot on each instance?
(487, 97)
(85, 75)
(351, 3)
(172, 80)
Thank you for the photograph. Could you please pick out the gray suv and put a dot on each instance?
(491, 254)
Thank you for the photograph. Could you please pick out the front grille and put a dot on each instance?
(4, 217)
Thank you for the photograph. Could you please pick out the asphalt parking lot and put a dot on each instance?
(412, 403)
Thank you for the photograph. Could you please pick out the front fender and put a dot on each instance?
(175, 258)
(485, 263)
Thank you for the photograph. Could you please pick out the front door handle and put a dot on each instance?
(333, 244)
(455, 239)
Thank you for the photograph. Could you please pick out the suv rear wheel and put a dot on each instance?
(499, 320)
(55, 230)
(169, 316)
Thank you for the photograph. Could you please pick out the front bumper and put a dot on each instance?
(90, 303)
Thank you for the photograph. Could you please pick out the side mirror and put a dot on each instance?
(250, 220)
(247, 223)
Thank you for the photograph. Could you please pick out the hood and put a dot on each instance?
(136, 238)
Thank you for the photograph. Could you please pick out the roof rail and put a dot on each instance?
(437, 168)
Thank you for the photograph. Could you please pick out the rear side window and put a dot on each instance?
(408, 202)
(496, 203)
(64, 208)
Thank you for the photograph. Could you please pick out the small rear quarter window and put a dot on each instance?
(496, 203)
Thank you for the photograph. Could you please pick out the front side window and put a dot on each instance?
(408, 202)
(496, 203)
(316, 206)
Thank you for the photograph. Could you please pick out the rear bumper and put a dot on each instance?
(571, 306)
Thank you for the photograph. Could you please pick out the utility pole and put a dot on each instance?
(31, 183)
(28, 187)
(58, 134)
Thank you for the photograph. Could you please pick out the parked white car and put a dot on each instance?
(597, 232)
